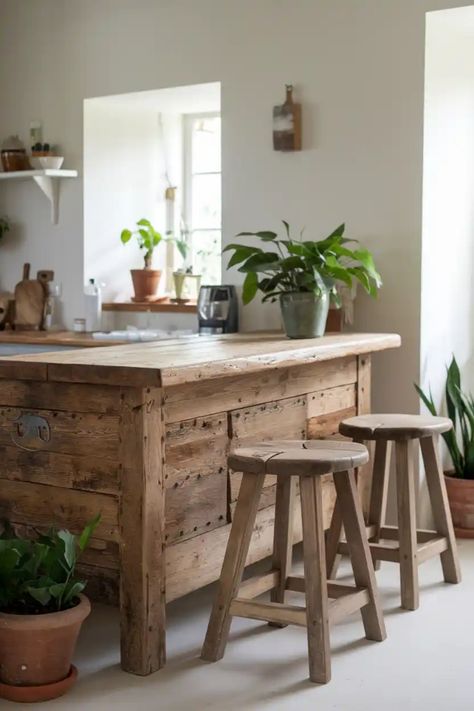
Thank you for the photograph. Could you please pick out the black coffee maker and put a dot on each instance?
(217, 309)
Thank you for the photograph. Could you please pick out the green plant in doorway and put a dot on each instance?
(148, 239)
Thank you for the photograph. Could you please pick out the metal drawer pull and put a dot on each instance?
(29, 429)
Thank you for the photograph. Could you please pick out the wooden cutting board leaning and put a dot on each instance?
(30, 296)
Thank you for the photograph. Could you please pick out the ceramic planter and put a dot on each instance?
(145, 284)
(304, 314)
(461, 503)
(36, 653)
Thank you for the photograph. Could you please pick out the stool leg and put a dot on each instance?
(359, 550)
(334, 534)
(440, 506)
(233, 566)
(283, 537)
(379, 491)
(317, 615)
(406, 505)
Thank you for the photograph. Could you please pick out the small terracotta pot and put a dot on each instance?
(461, 503)
(145, 283)
(36, 650)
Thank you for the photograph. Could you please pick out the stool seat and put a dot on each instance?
(394, 427)
(299, 457)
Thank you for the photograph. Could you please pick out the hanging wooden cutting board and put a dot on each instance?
(29, 302)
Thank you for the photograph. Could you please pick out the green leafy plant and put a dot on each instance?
(4, 226)
(291, 265)
(38, 575)
(148, 239)
(460, 408)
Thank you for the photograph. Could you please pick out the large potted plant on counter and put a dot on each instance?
(42, 609)
(460, 444)
(304, 275)
(146, 280)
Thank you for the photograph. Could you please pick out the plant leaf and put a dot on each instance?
(86, 534)
(250, 287)
(126, 236)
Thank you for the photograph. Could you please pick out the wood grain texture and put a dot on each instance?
(205, 398)
(314, 558)
(142, 533)
(86, 473)
(44, 505)
(70, 432)
(440, 507)
(171, 363)
(232, 568)
(52, 396)
(406, 509)
(194, 563)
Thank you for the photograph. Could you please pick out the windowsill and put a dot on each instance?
(153, 307)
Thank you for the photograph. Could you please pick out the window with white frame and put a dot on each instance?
(202, 194)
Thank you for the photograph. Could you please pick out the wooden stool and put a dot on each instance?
(308, 460)
(404, 544)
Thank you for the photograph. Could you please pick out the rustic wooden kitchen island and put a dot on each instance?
(140, 433)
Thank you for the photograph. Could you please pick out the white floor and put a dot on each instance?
(427, 661)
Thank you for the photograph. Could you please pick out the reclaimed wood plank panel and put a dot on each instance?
(196, 562)
(205, 397)
(69, 397)
(70, 432)
(199, 504)
(86, 473)
(196, 446)
(44, 505)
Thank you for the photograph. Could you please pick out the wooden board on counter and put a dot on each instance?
(55, 338)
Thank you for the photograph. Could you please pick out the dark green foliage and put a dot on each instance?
(37, 576)
(289, 266)
(460, 408)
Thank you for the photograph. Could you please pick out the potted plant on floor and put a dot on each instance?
(460, 445)
(146, 280)
(304, 275)
(42, 609)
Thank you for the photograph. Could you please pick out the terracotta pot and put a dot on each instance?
(145, 283)
(461, 503)
(36, 650)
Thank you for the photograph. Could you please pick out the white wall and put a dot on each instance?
(447, 323)
(123, 182)
(357, 67)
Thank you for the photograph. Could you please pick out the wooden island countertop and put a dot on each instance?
(193, 358)
(141, 434)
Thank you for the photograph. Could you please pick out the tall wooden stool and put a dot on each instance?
(308, 460)
(403, 544)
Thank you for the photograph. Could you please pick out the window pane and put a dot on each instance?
(206, 145)
(206, 199)
(207, 255)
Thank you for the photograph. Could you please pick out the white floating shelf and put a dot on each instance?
(48, 180)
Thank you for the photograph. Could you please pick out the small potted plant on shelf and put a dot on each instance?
(304, 275)
(146, 280)
(42, 609)
(460, 444)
